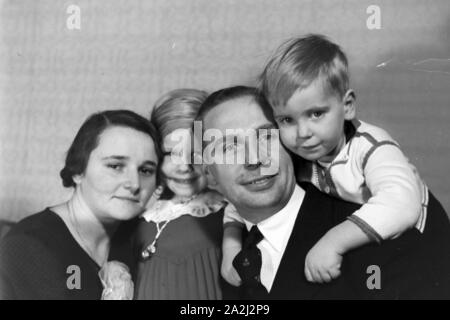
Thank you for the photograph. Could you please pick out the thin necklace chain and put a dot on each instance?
(186, 201)
(151, 248)
(83, 243)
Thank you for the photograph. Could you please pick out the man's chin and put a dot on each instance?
(262, 200)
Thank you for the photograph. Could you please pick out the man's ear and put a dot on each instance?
(349, 101)
(211, 180)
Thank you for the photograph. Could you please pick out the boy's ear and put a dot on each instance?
(349, 101)
(212, 182)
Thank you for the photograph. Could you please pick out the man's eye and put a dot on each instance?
(268, 136)
(229, 147)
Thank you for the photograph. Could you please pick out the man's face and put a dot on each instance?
(246, 184)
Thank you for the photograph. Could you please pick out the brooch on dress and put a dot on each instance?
(151, 248)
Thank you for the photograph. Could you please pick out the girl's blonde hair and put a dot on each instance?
(176, 109)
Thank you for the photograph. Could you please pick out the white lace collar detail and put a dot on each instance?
(166, 210)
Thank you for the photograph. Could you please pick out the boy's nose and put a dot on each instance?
(303, 131)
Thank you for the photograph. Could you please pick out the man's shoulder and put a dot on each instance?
(318, 201)
(313, 193)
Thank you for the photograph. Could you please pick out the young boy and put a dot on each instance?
(307, 83)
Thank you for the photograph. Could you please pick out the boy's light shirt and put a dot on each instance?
(277, 230)
(372, 170)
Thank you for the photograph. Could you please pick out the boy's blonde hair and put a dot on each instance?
(300, 61)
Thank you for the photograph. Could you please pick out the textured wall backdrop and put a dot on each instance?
(128, 52)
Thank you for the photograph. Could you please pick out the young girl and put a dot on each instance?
(180, 234)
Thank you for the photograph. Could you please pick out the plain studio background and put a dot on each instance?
(129, 52)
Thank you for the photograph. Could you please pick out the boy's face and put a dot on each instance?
(312, 121)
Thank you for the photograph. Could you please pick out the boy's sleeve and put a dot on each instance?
(232, 217)
(395, 203)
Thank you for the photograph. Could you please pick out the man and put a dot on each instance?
(285, 219)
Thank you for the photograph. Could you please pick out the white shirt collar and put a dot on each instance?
(277, 228)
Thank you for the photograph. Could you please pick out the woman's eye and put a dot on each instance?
(115, 166)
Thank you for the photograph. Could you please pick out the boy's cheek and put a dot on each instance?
(288, 138)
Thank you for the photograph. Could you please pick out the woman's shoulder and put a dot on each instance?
(38, 237)
(38, 224)
(41, 232)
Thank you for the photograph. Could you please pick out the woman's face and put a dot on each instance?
(120, 174)
(181, 176)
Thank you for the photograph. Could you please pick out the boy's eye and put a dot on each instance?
(317, 114)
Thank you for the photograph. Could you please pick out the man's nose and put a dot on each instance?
(252, 159)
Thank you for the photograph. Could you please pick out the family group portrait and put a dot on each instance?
(248, 150)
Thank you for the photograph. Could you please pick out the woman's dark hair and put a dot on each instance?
(87, 139)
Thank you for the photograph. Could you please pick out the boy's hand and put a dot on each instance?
(227, 270)
(323, 262)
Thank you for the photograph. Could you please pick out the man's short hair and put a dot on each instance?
(221, 96)
(300, 61)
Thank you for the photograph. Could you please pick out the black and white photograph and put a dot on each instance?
(248, 151)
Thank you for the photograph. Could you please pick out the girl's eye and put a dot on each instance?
(284, 120)
(147, 171)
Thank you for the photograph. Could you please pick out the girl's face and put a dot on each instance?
(120, 174)
(182, 177)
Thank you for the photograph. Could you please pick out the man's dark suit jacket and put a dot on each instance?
(413, 266)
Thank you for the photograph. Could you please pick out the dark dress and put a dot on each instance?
(39, 259)
(186, 264)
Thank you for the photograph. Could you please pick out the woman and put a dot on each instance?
(58, 253)
(179, 237)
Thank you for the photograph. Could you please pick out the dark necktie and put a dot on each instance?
(248, 264)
